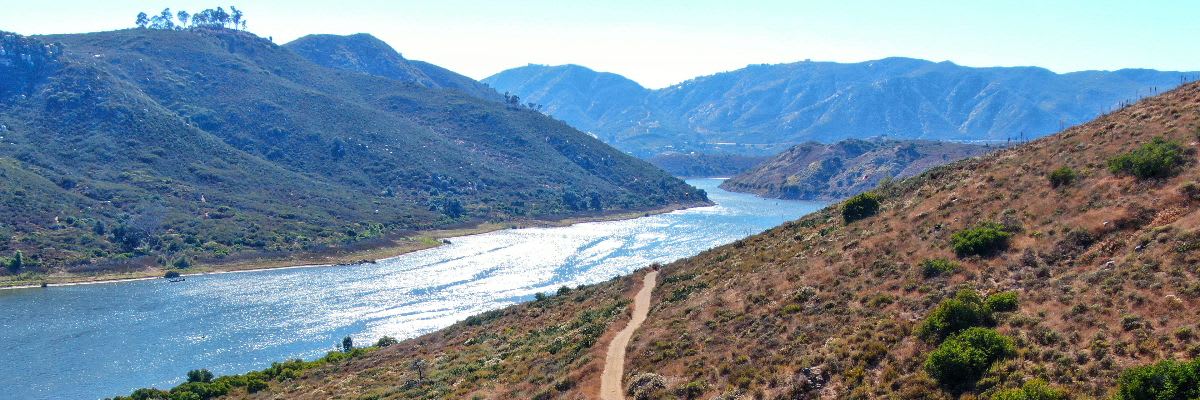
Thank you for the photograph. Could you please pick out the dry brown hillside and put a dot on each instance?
(1105, 268)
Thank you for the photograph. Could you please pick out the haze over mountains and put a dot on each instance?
(151, 146)
(763, 109)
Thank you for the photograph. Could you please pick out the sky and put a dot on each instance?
(660, 43)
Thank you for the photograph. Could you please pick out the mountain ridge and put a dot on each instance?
(762, 109)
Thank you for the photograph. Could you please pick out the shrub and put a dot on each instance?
(199, 375)
(1166, 380)
(1062, 176)
(17, 262)
(171, 274)
(1001, 302)
(1035, 389)
(646, 386)
(386, 341)
(1158, 159)
(982, 240)
(963, 311)
(938, 266)
(254, 385)
(861, 206)
(963, 358)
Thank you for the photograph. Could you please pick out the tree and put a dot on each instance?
(164, 20)
(347, 344)
(595, 203)
(221, 17)
(419, 365)
(199, 375)
(235, 16)
(183, 18)
(142, 20)
(17, 262)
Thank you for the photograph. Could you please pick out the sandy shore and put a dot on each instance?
(418, 241)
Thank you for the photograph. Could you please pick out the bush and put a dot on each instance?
(1035, 389)
(1062, 177)
(964, 311)
(963, 358)
(199, 375)
(646, 386)
(171, 274)
(861, 206)
(1001, 302)
(983, 240)
(1158, 159)
(386, 341)
(255, 385)
(938, 266)
(1166, 380)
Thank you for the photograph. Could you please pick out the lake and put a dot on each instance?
(100, 340)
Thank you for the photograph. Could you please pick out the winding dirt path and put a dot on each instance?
(614, 360)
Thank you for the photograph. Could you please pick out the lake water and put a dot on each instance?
(93, 341)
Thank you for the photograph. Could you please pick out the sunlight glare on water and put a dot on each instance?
(92, 341)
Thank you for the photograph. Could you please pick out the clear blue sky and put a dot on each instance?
(658, 43)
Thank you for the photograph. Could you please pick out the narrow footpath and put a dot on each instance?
(614, 360)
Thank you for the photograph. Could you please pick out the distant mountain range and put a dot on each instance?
(764, 109)
(816, 171)
(142, 147)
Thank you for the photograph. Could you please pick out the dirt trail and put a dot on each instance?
(614, 360)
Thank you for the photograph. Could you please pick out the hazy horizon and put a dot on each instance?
(661, 44)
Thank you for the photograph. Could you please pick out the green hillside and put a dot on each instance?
(144, 147)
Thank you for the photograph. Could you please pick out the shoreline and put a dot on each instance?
(420, 240)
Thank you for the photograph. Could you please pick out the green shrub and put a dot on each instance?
(255, 385)
(199, 375)
(1062, 176)
(964, 311)
(1001, 302)
(861, 206)
(963, 358)
(1166, 380)
(938, 266)
(1158, 159)
(1035, 389)
(982, 240)
(386, 341)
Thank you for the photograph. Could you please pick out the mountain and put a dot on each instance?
(764, 109)
(1065, 285)
(140, 147)
(366, 54)
(704, 164)
(815, 171)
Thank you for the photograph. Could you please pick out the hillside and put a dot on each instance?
(366, 54)
(140, 148)
(1102, 270)
(704, 164)
(815, 171)
(765, 109)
